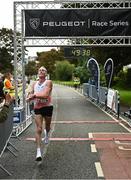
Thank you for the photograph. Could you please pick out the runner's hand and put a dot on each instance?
(30, 97)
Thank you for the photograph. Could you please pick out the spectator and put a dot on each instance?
(1, 88)
(76, 82)
(8, 87)
(5, 108)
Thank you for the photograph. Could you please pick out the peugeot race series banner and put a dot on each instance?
(94, 71)
(108, 68)
(77, 22)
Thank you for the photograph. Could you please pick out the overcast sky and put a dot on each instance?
(7, 21)
(6, 14)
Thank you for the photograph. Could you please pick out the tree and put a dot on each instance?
(120, 55)
(7, 49)
(49, 58)
(81, 70)
(6, 39)
(128, 78)
(31, 69)
(5, 61)
(64, 70)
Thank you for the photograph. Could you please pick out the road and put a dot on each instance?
(85, 143)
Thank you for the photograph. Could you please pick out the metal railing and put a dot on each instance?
(6, 128)
(13, 126)
(105, 98)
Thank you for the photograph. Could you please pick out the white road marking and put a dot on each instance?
(93, 148)
(128, 129)
(90, 135)
(124, 149)
(122, 143)
(99, 169)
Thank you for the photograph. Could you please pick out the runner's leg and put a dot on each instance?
(47, 129)
(47, 123)
(39, 127)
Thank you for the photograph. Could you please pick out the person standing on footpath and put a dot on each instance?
(1, 88)
(43, 107)
(5, 108)
(8, 87)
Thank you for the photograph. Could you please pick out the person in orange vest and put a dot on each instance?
(8, 87)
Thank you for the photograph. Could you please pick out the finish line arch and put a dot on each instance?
(21, 40)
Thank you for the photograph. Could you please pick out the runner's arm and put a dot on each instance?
(46, 92)
(30, 92)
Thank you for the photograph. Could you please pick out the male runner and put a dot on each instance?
(43, 108)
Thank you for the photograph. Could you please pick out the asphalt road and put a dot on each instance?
(84, 144)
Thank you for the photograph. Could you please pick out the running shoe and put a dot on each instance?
(38, 155)
(38, 158)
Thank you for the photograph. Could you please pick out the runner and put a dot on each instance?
(43, 108)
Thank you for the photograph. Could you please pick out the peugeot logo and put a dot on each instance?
(34, 23)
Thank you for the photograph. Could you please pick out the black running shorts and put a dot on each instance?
(44, 111)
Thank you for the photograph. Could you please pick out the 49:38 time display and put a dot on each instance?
(81, 52)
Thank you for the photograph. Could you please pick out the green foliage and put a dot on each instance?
(6, 49)
(120, 79)
(123, 79)
(125, 97)
(81, 70)
(120, 55)
(6, 39)
(31, 69)
(5, 61)
(63, 70)
(49, 58)
(82, 73)
(128, 78)
(65, 83)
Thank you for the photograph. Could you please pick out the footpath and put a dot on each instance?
(85, 143)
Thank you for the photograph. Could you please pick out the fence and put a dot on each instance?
(106, 98)
(13, 126)
(5, 133)
(22, 119)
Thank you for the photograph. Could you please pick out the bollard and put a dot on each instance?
(118, 100)
(106, 100)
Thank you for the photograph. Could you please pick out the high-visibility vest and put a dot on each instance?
(8, 87)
